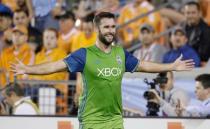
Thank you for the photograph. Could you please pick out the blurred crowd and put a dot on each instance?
(39, 31)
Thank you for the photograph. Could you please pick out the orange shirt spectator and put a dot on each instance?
(130, 11)
(87, 37)
(65, 40)
(67, 31)
(51, 53)
(20, 50)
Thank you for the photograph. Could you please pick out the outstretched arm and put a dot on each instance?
(178, 65)
(45, 68)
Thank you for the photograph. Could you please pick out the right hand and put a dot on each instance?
(179, 108)
(18, 68)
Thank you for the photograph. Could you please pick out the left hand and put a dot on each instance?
(183, 65)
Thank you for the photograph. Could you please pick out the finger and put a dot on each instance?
(19, 62)
(12, 64)
(190, 64)
(190, 60)
(12, 67)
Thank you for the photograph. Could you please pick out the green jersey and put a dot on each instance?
(102, 73)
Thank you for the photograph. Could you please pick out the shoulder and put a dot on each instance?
(79, 53)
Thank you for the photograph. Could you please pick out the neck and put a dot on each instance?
(103, 47)
(66, 31)
(17, 47)
(88, 35)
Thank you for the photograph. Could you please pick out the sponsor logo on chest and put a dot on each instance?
(108, 72)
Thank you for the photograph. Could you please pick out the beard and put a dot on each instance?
(103, 39)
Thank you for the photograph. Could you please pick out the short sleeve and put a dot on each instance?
(131, 62)
(76, 60)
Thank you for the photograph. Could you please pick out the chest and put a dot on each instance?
(105, 67)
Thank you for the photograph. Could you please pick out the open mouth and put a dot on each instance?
(109, 36)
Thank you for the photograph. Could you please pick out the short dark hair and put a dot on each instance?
(89, 17)
(66, 14)
(13, 87)
(101, 15)
(190, 3)
(204, 79)
(21, 10)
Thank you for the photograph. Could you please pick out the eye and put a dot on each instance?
(106, 26)
(113, 26)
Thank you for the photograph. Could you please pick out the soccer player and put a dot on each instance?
(102, 66)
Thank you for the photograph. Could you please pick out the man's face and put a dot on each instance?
(5, 23)
(192, 14)
(20, 18)
(178, 40)
(18, 38)
(107, 31)
(146, 37)
(50, 40)
(65, 25)
(88, 28)
(200, 92)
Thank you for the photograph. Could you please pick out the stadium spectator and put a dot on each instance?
(202, 91)
(87, 36)
(5, 23)
(67, 30)
(21, 17)
(180, 47)
(20, 49)
(149, 50)
(5, 18)
(130, 33)
(45, 10)
(14, 97)
(50, 53)
(170, 96)
(25, 5)
(197, 30)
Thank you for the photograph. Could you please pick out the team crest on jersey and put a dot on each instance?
(119, 60)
